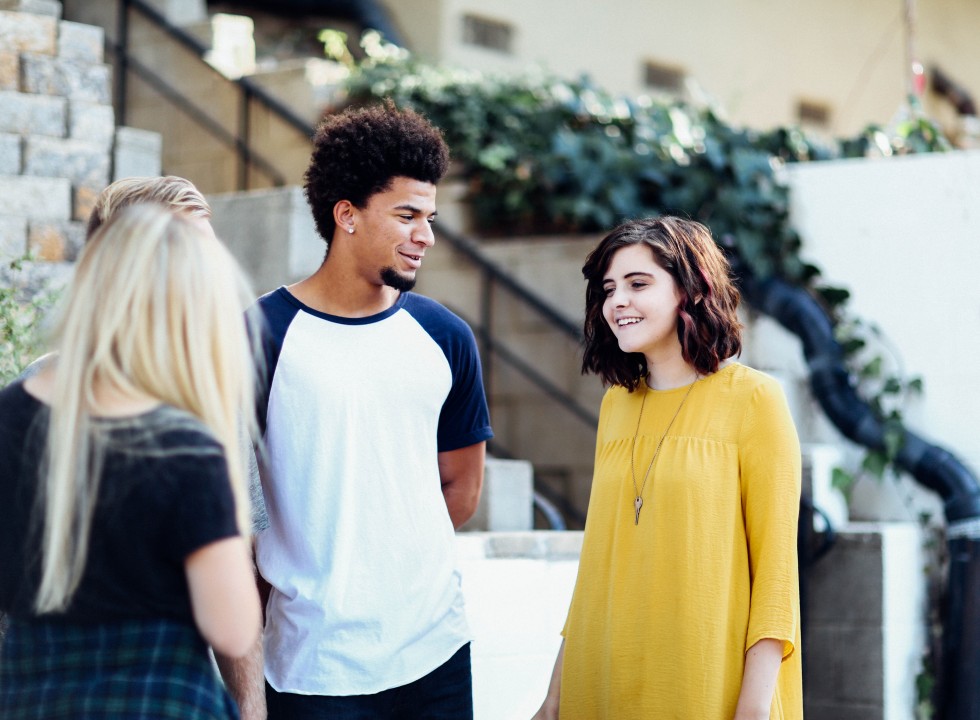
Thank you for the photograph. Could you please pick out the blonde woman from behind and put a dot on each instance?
(124, 467)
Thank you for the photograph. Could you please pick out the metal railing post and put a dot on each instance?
(244, 149)
(122, 53)
(486, 322)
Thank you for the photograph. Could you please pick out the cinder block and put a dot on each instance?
(65, 77)
(81, 42)
(13, 237)
(35, 198)
(48, 8)
(83, 200)
(9, 70)
(246, 221)
(865, 624)
(9, 154)
(28, 33)
(32, 114)
(506, 503)
(846, 585)
(55, 241)
(844, 664)
(81, 162)
(91, 123)
(823, 710)
(136, 153)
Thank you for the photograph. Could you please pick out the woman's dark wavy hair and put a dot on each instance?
(358, 152)
(707, 323)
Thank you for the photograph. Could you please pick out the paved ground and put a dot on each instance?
(517, 595)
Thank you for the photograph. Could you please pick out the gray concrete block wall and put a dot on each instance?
(9, 70)
(35, 198)
(13, 238)
(57, 137)
(10, 154)
(65, 77)
(49, 8)
(81, 42)
(28, 33)
(866, 624)
(83, 163)
(33, 114)
(92, 123)
(55, 240)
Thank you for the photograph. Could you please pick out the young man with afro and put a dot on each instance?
(375, 426)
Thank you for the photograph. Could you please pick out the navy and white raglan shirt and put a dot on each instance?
(360, 549)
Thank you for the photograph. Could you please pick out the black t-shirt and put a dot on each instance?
(164, 493)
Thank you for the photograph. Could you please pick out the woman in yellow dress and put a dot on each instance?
(686, 605)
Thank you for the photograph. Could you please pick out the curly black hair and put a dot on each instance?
(358, 152)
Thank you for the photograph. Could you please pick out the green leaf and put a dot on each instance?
(843, 481)
(875, 463)
(872, 369)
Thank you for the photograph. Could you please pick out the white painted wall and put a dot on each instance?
(903, 235)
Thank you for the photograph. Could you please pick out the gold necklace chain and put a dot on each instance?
(638, 494)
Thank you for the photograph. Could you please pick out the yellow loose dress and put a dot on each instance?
(664, 611)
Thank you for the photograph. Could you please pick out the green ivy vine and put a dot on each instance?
(21, 314)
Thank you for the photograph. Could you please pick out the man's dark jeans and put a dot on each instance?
(446, 693)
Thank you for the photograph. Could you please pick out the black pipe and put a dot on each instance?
(932, 466)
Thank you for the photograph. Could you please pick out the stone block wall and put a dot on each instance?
(59, 144)
(56, 129)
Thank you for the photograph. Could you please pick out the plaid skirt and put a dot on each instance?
(148, 669)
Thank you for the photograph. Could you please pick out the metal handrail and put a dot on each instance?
(204, 120)
(552, 391)
(494, 272)
(190, 42)
(247, 155)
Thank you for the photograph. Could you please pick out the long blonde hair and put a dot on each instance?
(156, 308)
